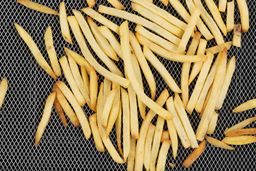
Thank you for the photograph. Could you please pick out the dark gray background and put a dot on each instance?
(66, 148)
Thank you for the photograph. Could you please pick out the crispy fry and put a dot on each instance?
(101, 40)
(162, 70)
(248, 105)
(77, 108)
(91, 3)
(244, 14)
(241, 125)
(173, 136)
(107, 107)
(237, 37)
(131, 157)
(140, 20)
(163, 155)
(45, 117)
(119, 130)
(100, 103)
(116, 3)
(165, 136)
(85, 78)
(230, 15)
(219, 48)
(34, 50)
(86, 52)
(239, 140)
(213, 98)
(194, 155)
(165, 2)
(96, 134)
(218, 143)
(60, 112)
(213, 123)
(93, 89)
(38, 7)
(157, 19)
(222, 5)
(167, 54)
(148, 146)
(239, 132)
(65, 31)
(3, 90)
(185, 121)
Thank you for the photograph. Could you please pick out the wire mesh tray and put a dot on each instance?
(66, 148)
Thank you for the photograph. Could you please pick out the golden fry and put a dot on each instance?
(163, 155)
(3, 90)
(213, 123)
(131, 157)
(222, 5)
(93, 89)
(218, 143)
(60, 112)
(250, 104)
(116, 3)
(148, 146)
(91, 3)
(239, 132)
(64, 24)
(107, 107)
(240, 140)
(165, 136)
(219, 48)
(230, 15)
(173, 136)
(244, 14)
(85, 78)
(241, 125)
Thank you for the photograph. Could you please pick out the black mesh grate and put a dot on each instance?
(66, 148)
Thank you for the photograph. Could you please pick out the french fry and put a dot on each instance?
(210, 22)
(177, 123)
(163, 155)
(101, 40)
(93, 89)
(124, 36)
(165, 2)
(189, 30)
(231, 66)
(140, 20)
(218, 143)
(200, 83)
(131, 157)
(213, 98)
(66, 107)
(34, 50)
(239, 132)
(94, 45)
(65, 31)
(219, 48)
(216, 14)
(156, 39)
(222, 5)
(45, 117)
(167, 54)
(148, 146)
(156, 142)
(3, 90)
(185, 121)
(126, 123)
(248, 105)
(107, 107)
(91, 60)
(186, 68)
(165, 136)
(100, 103)
(60, 112)
(239, 140)
(157, 19)
(198, 65)
(144, 129)
(77, 108)
(85, 78)
(244, 14)
(230, 15)
(162, 70)
(91, 3)
(241, 124)
(116, 3)
(101, 19)
(106, 88)
(173, 136)
(106, 32)
(38, 7)
(71, 81)
(48, 39)
(194, 155)
(96, 134)
(119, 130)
(144, 65)
(237, 37)
(213, 123)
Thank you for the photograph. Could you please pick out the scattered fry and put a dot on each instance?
(250, 104)
(219, 48)
(60, 112)
(241, 124)
(213, 123)
(230, 15)
(244, 14)
(173, 136)
(131, 157)
(64, 23)
(165, 136)
(85, 78)
(116, 3)
(239, 140)
(93, 89)
(218, 143)
(222, 5)
(239, 132)
(91, 3)
(237, 37)
(3, 90)
(107, 107)
(148, 146)
(163, 155)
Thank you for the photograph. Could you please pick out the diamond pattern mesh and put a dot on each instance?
(66, 148)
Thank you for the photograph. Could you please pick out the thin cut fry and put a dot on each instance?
(240, 140)
(34, 50)
(45, 117)
(185, 121)
(100, 103)
(107, 107)
(86, 52)
(140, 20)
(162, 70)
(126, 123)
(85, 77)
(239, 132)
(3, 90)
(157, 19)
(165, 136)
(218, 143)
(131, 157)
(173, 136)
(124, 36)
(60, 112)
(119, 130)
(167, 54)
(48, 39)
(248, 105)
(213, 123)
(230, 15)
(244, 14)
(222, 5)
(194, 155)
(237, 37)
(116, 3)
(91, 3)
(96, 134)
(219, 48)
(65, 31)
(38, 7)
(231, 66)
(163, 155)
(101, 40)
(93, 89)
(148, 146)
(241, 124)
(213, 98)
(77, 108)
(165, 2)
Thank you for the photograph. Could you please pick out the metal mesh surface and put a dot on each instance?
(66, 148)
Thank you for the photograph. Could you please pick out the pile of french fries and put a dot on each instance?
(119, 101)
